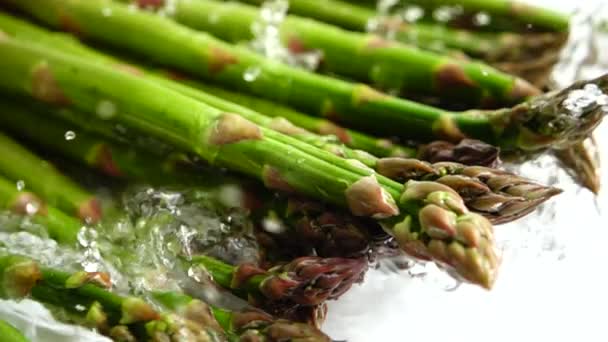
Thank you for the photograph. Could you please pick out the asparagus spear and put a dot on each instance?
(506, 14)
(501, 206)
(467, 152)
(305, 280)
(369, 58)
(341, 234)
(19, 164)
(225, 139)
(120, 317)
(495, 194)
(247, 325)
(529, 126)
(60, 226)
(10, 333)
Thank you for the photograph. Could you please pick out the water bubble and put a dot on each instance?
(106, 11)
(447, 13)
(70, 135)
(20, 185)
(482, 19)
(252, 73)
(105, 109)
(273, 225)
(32, 208)
(412, 14)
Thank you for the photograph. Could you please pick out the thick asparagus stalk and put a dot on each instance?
(60, 226)
(469, 152)
(10, 333)
(495, 194)
(529, 126)
(305, 281)
(247, 325)
(500, 206)
(387, 65)
(505, 14)
(123, 318)
(341, 234)
(227, 140)
(19, 164)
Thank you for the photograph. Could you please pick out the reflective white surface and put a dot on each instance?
(553, 280)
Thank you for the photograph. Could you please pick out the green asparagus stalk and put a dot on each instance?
(309, 226)
(369, 58)
(247, 325)
(498, 204)
(505, 14)
(60, 226)
(351, 138)
(425, 35)
(467, 152)
(10, 333)
(495, 194)
(123, 318)
(528, 55)
(228, 140)
(305, 280)
(529, 126)
(18, 164)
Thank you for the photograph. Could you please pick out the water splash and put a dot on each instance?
(267, 39)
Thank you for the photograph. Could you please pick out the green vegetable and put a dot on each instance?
(39, 176)
(528, 126)
(228, 140)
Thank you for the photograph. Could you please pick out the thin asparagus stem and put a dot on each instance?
(18, 164)
(60, 226)
(525, 126)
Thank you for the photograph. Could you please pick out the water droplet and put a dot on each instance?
(20, 185)
(32, 208)
(70, 135)
(106, 11)
(273, 225)
(482, 19)
(412, 14)
(105, 109)
(80, 307)
(252, 73)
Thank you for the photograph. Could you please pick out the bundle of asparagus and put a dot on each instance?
(341, 192)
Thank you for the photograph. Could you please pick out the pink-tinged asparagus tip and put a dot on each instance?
(90, 211)
(273, 179)
(444, 231)
(467, 152)
(367, 198)
(313, 280)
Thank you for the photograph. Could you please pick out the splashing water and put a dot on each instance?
(267, 40)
